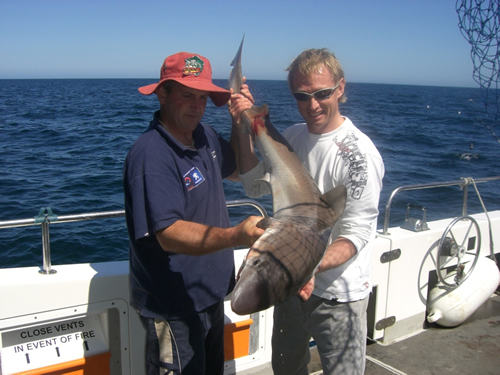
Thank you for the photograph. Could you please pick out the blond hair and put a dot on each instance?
(310, 61)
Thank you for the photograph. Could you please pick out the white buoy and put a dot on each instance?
(450, 306)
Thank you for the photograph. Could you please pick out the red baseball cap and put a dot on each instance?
(191, 70)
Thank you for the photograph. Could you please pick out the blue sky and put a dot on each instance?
(377, 41)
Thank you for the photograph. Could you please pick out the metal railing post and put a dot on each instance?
(46, 260)
(45, 216)
(464, 203)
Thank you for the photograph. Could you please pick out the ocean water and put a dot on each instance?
(63, 142)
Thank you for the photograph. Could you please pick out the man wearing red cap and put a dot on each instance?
(181, 256)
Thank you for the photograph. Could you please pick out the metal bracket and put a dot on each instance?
(414, 224)
(45, 214)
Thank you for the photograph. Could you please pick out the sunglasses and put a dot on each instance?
(318, 95)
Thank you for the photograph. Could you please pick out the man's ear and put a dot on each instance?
(161, 93)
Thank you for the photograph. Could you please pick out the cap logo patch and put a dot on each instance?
(193, 67)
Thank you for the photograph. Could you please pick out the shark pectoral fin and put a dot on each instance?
(265, 178)
(336, 199)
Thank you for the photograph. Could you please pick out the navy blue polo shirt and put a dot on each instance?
(164, 182)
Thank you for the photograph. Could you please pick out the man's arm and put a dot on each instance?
(190, 238)
(337, 253)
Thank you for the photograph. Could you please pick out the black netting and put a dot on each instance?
(479, 22)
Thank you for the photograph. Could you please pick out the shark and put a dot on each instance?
(295, 239)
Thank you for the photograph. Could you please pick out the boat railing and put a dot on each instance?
(46, 217)
(464, 182)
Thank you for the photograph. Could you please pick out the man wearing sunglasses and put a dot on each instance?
(331, 308)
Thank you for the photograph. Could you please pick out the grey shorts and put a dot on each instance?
(339, 330)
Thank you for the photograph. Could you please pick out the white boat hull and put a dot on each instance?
(97, 296)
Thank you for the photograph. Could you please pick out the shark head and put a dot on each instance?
(260, 285)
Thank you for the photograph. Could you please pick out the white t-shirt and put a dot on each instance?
(345, 156)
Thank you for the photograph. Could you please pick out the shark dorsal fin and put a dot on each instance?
(335, 199)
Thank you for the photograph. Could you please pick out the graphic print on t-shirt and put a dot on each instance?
(193, 178)
(358, 168)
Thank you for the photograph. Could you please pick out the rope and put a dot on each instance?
(479, 22)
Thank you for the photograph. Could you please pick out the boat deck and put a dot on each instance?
(471, 348)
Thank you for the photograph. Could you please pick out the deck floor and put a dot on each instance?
(471, 348)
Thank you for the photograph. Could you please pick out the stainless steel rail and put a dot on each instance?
(46, 217)
(463, 183)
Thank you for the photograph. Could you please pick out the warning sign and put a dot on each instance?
(39, 346)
